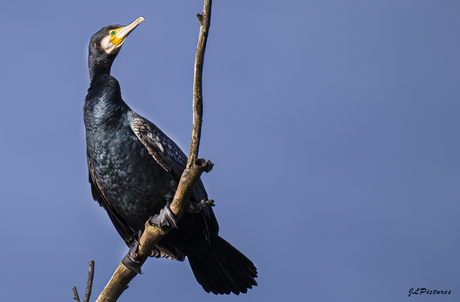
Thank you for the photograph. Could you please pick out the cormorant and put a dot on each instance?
(134, 170)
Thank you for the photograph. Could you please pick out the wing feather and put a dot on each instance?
(126, 232)
(169, 156)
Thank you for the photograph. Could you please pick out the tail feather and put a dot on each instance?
(224, 270)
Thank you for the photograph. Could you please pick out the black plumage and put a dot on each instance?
(134, 169)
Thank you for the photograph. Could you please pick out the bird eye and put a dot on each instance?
(112, 33)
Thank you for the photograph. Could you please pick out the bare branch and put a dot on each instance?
(205, 23)
(117, 284)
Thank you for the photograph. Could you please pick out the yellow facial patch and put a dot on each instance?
(117, 36)
(113, 36)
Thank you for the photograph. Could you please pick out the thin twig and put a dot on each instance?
(75, 294)
(205, 23)
(89, 284)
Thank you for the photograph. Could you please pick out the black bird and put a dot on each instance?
(134, 170)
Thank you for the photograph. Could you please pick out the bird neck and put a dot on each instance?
(103, 103)
(99, 65)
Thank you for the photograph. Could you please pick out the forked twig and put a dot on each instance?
(89, 284)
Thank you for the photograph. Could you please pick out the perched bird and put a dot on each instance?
(134, 170)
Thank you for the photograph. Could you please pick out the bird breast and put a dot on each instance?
(134, 183)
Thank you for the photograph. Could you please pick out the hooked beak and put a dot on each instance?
(118, 36)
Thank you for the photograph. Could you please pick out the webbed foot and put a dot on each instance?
(164, 220)
(130, 259)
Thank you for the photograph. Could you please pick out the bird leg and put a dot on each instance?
(196, 208)
(165, 219)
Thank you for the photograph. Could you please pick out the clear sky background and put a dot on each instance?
(334, 127)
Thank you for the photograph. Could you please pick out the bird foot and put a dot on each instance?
(164, 220)
(196, 208)
(130, 259)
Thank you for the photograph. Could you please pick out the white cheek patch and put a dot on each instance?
(107, 46)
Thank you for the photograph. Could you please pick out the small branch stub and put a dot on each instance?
(75, 294)
(196, 208)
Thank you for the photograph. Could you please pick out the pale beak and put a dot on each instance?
(124, 31)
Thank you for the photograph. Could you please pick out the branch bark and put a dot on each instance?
(180, 204)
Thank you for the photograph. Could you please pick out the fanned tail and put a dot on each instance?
(224, 270)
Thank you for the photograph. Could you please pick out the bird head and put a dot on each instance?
(106, 44)
(112, 37)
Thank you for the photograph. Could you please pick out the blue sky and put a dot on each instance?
(333, 125)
